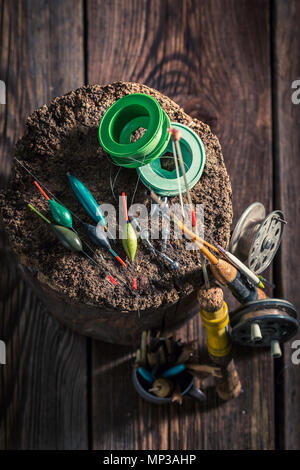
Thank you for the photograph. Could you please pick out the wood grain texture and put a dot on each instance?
(286, 194)
(214, 57)
(43, 385)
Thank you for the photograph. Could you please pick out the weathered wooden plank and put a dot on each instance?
(286, 34)
(43, 385)
(214, 57)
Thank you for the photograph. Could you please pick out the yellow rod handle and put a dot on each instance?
(218, 342)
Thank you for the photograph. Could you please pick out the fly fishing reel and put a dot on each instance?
(264, 323)
(257, 237)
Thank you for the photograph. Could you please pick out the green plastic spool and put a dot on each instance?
(126, 116)
(164, 182)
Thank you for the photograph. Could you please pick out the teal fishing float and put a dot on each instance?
(164, 182)
(86, 199)
(126, 116)
(60, 214)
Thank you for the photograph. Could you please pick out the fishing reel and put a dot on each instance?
(257, 237)
(264, 323)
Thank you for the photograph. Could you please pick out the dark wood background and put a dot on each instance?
(230, 63)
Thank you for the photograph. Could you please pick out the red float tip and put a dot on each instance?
(134, 283)
(194, 222)
(112, 280)
(121, 261)
(125, 206)
(42, 191)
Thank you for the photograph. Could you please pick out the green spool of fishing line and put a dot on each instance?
(163, 180)
(122, 119)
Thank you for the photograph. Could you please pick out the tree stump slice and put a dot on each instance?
(63, 136)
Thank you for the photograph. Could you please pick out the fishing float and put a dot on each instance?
(69, 239)
(63, 216)
(129, 239)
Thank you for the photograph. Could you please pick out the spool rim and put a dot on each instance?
(255, 305)
(116, 123)
(160, 183)
(254, 211)
(281, 325)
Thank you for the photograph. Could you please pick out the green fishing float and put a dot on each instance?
(70, 239)
(129, 239)
(126, 116)
(60, 214)
(66, 236)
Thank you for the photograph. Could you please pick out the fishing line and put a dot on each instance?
(178, 178)
(112, 185)
(136, 186)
